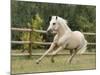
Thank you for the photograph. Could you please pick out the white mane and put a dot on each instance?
(62, 21)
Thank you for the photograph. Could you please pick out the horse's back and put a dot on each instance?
(78, 34)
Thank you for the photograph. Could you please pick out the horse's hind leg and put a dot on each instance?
(71, 51)
(72, 56)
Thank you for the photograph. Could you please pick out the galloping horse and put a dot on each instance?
(65, 37)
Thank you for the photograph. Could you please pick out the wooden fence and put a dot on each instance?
(30, 42)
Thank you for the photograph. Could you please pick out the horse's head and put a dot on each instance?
(54, 25)
(58, 24)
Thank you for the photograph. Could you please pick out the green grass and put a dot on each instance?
(26, 65)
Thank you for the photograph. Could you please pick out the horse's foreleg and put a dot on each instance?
(55, 52)
(50, 49)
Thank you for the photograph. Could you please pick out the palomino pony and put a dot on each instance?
(65, 37)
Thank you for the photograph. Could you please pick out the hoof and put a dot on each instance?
(37, 62)
(52, 61)
(69, 62)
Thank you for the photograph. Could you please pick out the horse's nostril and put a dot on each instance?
(49, 31)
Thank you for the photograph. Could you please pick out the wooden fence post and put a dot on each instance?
(30, 44)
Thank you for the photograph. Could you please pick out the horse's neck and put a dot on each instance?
(68, 29)
(63, 30)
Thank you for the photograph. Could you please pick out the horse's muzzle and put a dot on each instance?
(49, 31)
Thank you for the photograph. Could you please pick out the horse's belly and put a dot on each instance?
(72, 44)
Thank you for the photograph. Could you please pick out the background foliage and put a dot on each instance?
(37, 15)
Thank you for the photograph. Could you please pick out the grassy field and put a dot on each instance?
(25, 65)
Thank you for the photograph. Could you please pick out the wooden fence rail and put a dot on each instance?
(43, 31)
(42, 43)
(30, 42)
(39, 54)
(28, 30)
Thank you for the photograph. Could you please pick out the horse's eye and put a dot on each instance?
(54, 23)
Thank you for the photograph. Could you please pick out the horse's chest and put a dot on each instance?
(61, 41)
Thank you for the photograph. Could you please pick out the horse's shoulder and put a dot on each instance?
(55, 37)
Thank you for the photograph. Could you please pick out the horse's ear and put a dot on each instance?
(56, 17)
(50, 18)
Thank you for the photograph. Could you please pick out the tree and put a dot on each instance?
(35, 24)
(23, 14)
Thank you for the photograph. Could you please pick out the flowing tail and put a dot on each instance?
(83, 49)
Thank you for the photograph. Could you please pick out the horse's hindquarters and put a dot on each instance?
(75, 40)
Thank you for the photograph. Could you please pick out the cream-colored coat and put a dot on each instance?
(65, 37)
